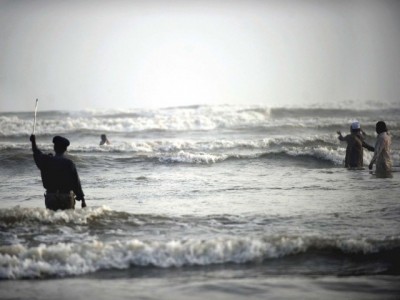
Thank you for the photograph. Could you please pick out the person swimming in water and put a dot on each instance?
(104, 140)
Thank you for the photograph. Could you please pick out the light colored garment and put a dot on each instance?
(382, 155)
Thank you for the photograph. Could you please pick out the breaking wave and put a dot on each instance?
(67, 259)
(194, 118)
(196, 153)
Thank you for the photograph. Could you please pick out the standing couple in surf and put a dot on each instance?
(356, 143)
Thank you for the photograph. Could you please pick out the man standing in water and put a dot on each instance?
(59, 176)
(355, 142)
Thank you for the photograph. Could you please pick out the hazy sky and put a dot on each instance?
(125, 54)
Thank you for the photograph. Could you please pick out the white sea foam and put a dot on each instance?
(174, 145)
(27, 215)
(323, 153)
(186, 157)
(321, 147)
(186, 118)
(13, 125)
(62, 259)
(200, 118)
(174, 119)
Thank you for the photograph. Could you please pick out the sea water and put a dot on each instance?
(224, 202)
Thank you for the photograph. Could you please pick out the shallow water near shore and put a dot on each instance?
(193, 202)
(180, 287)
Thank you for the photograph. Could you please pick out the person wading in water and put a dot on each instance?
(382, 152)
(59, 176)
(355, 144)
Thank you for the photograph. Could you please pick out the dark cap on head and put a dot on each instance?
(62, 141)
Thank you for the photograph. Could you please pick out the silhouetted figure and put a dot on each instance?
(59, 176)
(355, 143)
(382, 152)
(104, 140)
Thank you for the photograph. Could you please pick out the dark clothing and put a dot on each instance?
(57, 200)
(62, 141)
(354, 150)
(58, 174)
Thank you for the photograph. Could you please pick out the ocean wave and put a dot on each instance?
(66, 259)
(197, 118)
(319, 155)
(322, 155)
(192, 158)
(318, 147)
(49, 256)
(194, 153)
(18, 216)
(173, 145)
(170, 145)
(178, 119)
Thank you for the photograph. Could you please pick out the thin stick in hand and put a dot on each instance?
(34, 119)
